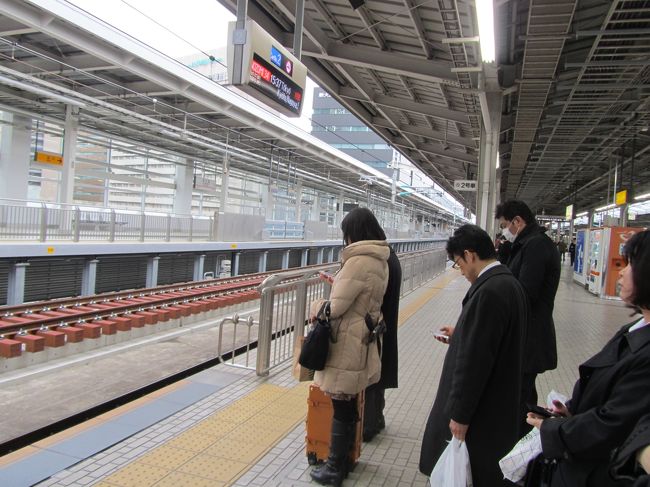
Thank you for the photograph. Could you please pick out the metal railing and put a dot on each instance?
(284, 305)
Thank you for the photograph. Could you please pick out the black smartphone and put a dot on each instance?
(540, 411)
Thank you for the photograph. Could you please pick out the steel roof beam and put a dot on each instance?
(406, 105)
(398, 64)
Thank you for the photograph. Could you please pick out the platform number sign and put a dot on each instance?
(465, 185)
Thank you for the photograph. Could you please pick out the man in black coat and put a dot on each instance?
(478, 394)
(373, 415)
(535, 262)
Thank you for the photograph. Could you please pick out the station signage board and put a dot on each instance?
(465, 185)
(270, 73)
(48, 158)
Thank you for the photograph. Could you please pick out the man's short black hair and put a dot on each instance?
(512, 208)
(637, 253)
(361, 224)
(472, 238)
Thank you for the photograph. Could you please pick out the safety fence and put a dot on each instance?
(284, 306)
(42, 222)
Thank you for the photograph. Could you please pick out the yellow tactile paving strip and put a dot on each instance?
(425, 295)
(221, 448)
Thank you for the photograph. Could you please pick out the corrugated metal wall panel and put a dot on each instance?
(4, 280)
(294, 258)
(53, 278)
(313, 256)
(121, 272)
(173, 268)
(249, 262)
(274, 261)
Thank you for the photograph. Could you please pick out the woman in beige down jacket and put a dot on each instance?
(352, 363)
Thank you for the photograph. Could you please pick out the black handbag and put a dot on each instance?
(315, 348)
(539, 472)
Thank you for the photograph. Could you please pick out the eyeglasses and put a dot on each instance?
(455, 263)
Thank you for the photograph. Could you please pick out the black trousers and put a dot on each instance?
(345, 411)
(528, 396)
(373, 409)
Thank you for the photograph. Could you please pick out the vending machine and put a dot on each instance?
(594, 271)
(606, 260)
(618, 237)
(580, 261)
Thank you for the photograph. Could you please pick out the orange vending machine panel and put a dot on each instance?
(618, 237)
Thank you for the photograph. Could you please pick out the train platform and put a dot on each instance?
(226, 426)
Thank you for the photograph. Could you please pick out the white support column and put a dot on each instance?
(304, 258)
(66, 189)
(152, 271)
(319, 258)
(225, 181)
(199, 262)
(285, 259)
(184, 184)
(89, 277)
(16, 283)
(339, 212)
(490, 97)
(330, 255)
(235, 264)
(15, 149)
(264, 257)
(299, 201)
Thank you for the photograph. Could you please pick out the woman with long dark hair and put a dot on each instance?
(612, 393)
(353, 361)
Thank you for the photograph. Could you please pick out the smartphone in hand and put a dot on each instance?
(442, 337)
(540, 411)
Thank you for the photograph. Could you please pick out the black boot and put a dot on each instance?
(335, 469)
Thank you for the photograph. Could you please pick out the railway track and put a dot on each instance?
(33, 327)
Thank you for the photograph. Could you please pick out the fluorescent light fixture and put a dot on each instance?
(642, 196)
(583, 213)
(498, 160)
(485, 13)
(608, 207)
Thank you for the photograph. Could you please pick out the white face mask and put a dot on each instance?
(508, 235)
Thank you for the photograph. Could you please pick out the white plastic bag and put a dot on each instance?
(514, 464)
(452, 469)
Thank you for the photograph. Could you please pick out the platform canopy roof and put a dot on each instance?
(53, 55)
(574, 76)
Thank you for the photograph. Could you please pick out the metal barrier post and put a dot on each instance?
(265, 333)
(43, 230)
(168, 232)
(143, 220)
(77, 224)
(111, 229)
(191, 227)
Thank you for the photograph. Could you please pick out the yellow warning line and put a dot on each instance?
(406, 312)
(221, 448)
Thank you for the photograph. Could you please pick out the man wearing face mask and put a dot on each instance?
(535, 262)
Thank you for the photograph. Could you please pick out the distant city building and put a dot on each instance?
(335, 125)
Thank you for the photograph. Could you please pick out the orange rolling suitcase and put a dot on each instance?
(319, 422)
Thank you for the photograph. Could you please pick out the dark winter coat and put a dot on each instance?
(535, 262)
(390, 311)
(624, 465)
(481, 378)
(609, 398)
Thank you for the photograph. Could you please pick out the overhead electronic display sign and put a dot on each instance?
(270, 73)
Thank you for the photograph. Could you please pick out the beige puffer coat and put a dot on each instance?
(358, 288)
